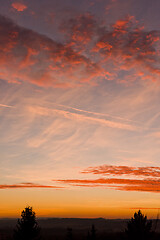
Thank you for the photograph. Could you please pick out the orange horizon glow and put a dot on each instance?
(83, 213)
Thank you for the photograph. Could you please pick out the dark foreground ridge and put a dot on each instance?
(82, 228)
(77, 223)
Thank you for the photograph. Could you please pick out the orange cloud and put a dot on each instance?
(124, 170)
(144, 185)
(20, 7)
(26, 185)
(149, 183)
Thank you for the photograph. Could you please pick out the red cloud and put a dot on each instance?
(20, 7)
(125, 44)
(148, 184)
(29, 56)
(129, 47)
(26, 185)
(79, 31)
(124, 170)
(145, 185)
(85, 57)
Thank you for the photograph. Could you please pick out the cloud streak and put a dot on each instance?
(123, 170)
(95, 113)
(6, 106)
(149, 183)
(145, 185)
(82, 116)
(27, 185)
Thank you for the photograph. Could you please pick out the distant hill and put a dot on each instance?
(84, 223)
(101, 224)
(75, 223)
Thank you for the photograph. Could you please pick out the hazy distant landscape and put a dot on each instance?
(56, 228)
(74, 223)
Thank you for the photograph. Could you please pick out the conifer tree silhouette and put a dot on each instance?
(27, 227)
(93, 232)
(139, 227)
(69, 235)
(88, 235)
(91, 235)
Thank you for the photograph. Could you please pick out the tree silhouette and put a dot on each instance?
(91, 235)
(69, 235)
(93, 232)
(88, 235)
(139, 227)
(27, 227)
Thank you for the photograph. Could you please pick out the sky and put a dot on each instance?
(79, 107)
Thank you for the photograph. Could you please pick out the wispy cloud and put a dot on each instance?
(95, 113)
(149, 181)
(124, 170)
(27, 185)
(84, 117)
(145, 208)
(145, 185)
(6, 106)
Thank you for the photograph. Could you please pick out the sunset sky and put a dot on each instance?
(80, 107)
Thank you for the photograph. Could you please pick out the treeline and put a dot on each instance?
(137, 228)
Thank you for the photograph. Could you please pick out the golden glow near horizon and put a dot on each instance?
(79, 203)
(79, 108)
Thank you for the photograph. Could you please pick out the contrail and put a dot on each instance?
(82, 117)
(7, 106)
(95, 113)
